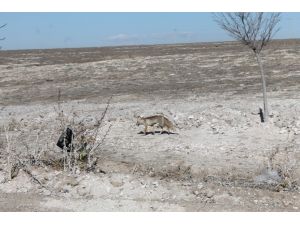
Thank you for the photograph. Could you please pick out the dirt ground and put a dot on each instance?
(219, 158)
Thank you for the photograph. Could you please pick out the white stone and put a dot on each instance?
(200, 186)
(196, 192)
(155, 184)
(210, 193)
(214, 120)
(191, 117)
(282, 131)
(46, 192)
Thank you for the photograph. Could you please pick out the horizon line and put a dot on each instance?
(140, 45)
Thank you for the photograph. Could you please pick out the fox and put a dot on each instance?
(159, 120)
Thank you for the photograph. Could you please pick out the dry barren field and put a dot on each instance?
(219, 158)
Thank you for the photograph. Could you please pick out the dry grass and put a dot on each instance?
(33, 143)
(283, 161)
(86, 139)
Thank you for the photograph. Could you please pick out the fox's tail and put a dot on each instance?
(170, 124)
(176, 125)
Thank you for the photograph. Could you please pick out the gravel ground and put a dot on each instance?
(220, 158)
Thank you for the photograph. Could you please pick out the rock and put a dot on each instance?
(100, 171)
(200, 186)
(214, 130)
(191, 117)
(71, 181)
(65, 189)
(195, 192)
(210, 194)
(23, 190)
(116, 183)
(187, 184)
(283, 131)
(268, 176)
(286, 203)
(151, 174)
(198, 191)
(295, 130)
(83, 191)
(14, 171)
(46, 192)
(214, 121)
(155, 184)
(144, 185)
(196, 171)
(3, 179)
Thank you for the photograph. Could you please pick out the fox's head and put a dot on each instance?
(139, 121)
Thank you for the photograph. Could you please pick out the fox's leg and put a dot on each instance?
(162, 129)
(162, 125)
(145, 131)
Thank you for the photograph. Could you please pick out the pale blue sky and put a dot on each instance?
(64, 30)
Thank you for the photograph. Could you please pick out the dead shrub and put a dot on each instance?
(33, 143)
(283, 161)
(79, 153)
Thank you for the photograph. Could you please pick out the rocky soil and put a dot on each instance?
(220, 158)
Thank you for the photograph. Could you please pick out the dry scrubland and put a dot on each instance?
(221, 157)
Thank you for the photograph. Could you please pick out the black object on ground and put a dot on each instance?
(65, 139)
(261, 114)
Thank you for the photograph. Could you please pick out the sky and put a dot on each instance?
(66, 30)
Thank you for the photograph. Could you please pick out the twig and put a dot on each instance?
(99, 122)
(100, 143)
(24, 167)
(103, 138)
(8, 150)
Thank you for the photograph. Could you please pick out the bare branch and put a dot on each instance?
(252, 29)
(3, 25)
(99, 122)
(2, 39)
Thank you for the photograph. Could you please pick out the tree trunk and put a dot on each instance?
(264, 87)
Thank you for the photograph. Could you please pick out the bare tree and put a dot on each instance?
(254, 30)
(1, 39)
